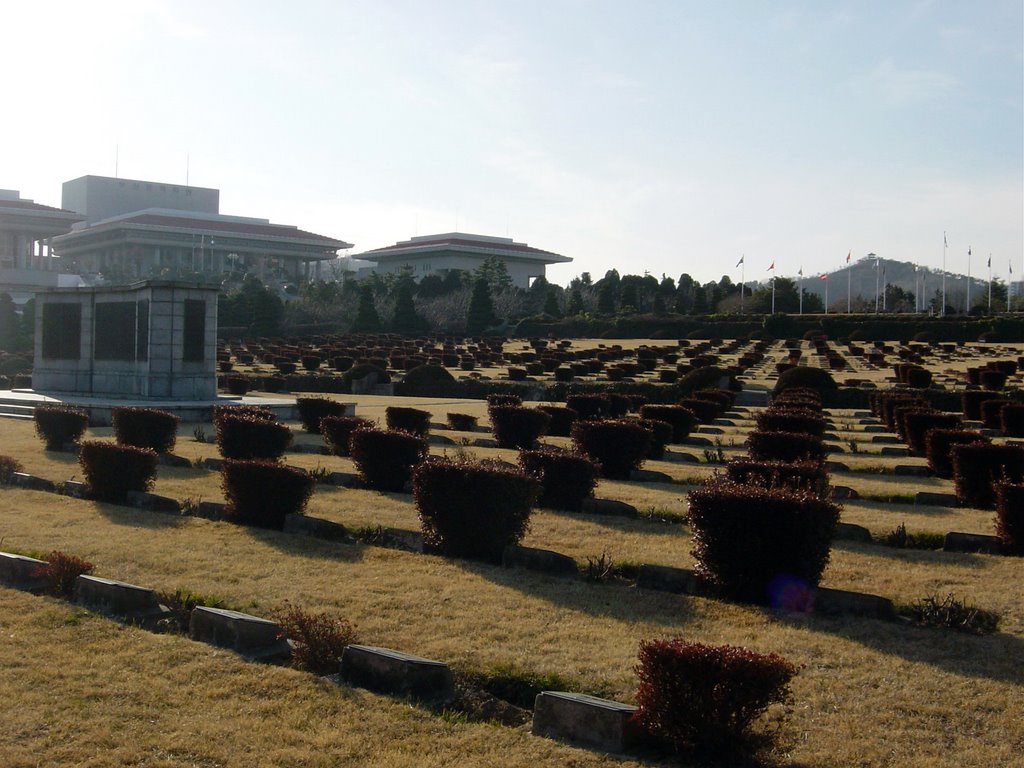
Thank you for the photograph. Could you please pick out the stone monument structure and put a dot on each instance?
(151, 339)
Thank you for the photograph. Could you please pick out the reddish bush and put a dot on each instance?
(462, 422)
(8, 466)
(619, 446)
(695, 697)
(145, 428)
(785, 446)
(385, 458)
(566, 478)
(799, 420)
(518, 427)
(319, 638)
(939, 442)
(890, 404)
(337, 430)
(411, 420)
(992, 378)
(918, 377)
(503, 399)
(111, 470)
(1010, 517)
(801, 475)
(918, 421)
(661, 435)
(618, 404)
(1011, 419)
(758, 543)
(448, 496)
(723, 397)
(236, 385)
(262, 493)
(310, 362)
(990, 412)
(313, 409)
(60, 573)
(682, 420)
(562, 419)
(249, 436)
(59, 424)
(977, 468)
(589, 406)
(705, 410)
(970, 402)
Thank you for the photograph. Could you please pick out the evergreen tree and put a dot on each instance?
(405, 319)
(551, 303)
(367, 318)
(481, 309)
(606, 299)
(700, 300)
(629, 299)
(495, 272)
(575, 303)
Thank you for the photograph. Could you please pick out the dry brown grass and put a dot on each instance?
(82, 690)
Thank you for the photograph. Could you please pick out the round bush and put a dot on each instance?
(618, 446)
(385, 458)
(589, 406)
(462, 422)
(566, 477)
(682, 419)
(518, 427)
(59, 424)
(145, 428)
(562, 419)
(8, 466)
(938, 446)
(361, 371)
(661, 435)
(426, 380)
(236, 385)
(262, 493)
(776, 419)
(337, 430)
(246, 436)
(448, 495)
(112, 470)
(411, 420)
(785, 446)
(706, 377)
(313, 409)
(760, 543)
(801, 475)
(818, 379)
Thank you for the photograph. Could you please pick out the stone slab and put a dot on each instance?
(587, 720)
(665, 578)
(912, 470)
(484, 442)
(957, 541)
(117, 598)
(171, 460)
(315, 526)
(844, 493)
(710, 430)
(893, 451)
(152, 502)
(543, 560)
(852, 532)
(400, 674)
(841, 601)
(649, 476)
(212, 464)
(210, 510)
(31, 482)
(440, 440)
(17, 570)
(699, 442)
(608, 507)
(679, 458)
(344, 479)
(75, 489)
(885, 440)
(875, 427)
(836, 466)
(250, 636)
(932, 499)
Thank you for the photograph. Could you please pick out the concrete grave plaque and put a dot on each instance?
(387, 671)
(250, 636)
(582, 719)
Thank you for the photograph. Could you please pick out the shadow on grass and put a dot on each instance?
(620, 602)
(307, 547)
(990, 657)
(120, 514)
(638, 525)
(926, 556)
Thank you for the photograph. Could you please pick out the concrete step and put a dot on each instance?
(13, 411)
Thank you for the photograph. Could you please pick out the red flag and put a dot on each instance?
(771, 267)
(824, 276)
(848, 256)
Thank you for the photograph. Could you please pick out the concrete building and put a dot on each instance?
(139, 229)
(432, 254)
(151, 339)
(26, 265)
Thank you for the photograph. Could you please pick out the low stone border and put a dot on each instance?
(401, 674)
(586, 720)
(249, 636)
(117, 598)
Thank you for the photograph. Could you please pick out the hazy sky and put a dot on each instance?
(662, 136)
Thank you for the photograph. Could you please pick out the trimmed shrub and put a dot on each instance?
(385, 458)
(426, 380)
(310, 362)
(918, 377)
(618, 404)
(255, 411)
(977, 468)
(785, 446)
(818, 379)
(411, 420)
(145, 428)
(496, 399)
(705, 698)
(261, 493)
(723, 397)
(798, 420)
(682, 420)
(761, 544)
(462, 422)
(337, 430)
(992, 378)
(313, 409)
(8, 466)
(970, 402)
(589, 406)
(619, 446)
(705, 411)
(319, 638)
(361, 371)
(518, 427)
(60, 573)
(1011, 419)
(59, 424)
(918, 421)
(1010, 517)
(472, 509)
(801, 475)
(706, 377)
(938, 444)
(111, 470)
(562, 419)
(248, 436)
(566, 478)
(236, 385)
(990, 412)
(661, 435)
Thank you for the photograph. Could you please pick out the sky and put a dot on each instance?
(664, 137)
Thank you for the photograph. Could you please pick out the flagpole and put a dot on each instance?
(990, 284)
(967, 309)
(826, 294)
(883, 289)
(800, 290)
(871, 255)
(849, 275)
(944, 246)
(743, 278)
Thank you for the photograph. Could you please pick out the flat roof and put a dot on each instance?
(460, 242)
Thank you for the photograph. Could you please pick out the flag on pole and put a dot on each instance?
(990, 262)
(848, 256)
(771, 268)
(944, 242)
(801, 272)
(824, 276)
(1010, 265)
(741, 259)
